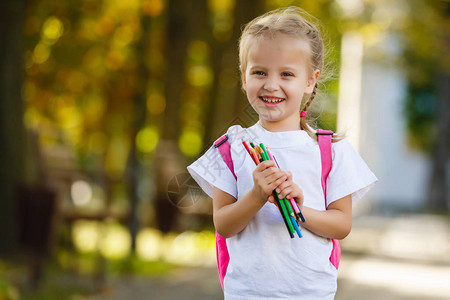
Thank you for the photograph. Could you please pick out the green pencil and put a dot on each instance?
(264, 151)
(285, 215)
(283, 204)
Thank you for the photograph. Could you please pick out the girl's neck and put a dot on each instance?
(279, 126)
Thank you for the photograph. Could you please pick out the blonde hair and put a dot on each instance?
(293, 22)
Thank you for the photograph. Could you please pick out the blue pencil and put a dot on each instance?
(299, 210)
(296, 226)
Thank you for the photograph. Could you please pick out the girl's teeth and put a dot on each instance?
(271, 100)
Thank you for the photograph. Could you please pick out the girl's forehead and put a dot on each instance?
(278, 48)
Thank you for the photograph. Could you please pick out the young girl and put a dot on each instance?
(281, 58)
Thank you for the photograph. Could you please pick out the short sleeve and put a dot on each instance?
(349, 174)
(210, 170)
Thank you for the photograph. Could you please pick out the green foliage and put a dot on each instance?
(135, 265)
(79, 278)
(85, 62)
(8, 291)
(425, 59)
(420, 110)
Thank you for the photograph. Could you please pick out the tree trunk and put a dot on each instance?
(245, 12)
(169, 159)
(221, 111)
(439, 186)
(140, 109)
(438, 194)
(12, 131)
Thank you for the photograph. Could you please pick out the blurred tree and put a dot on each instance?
(138, 121)
(244, 12)
(227, 101)
(86, 92)
(427, 106)
(439, 180)
(440, 177)
(122, 83)
(12, 133)
(168, 156)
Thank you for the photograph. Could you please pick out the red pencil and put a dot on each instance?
(246, 146)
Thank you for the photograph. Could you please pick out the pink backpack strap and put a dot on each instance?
(224, 147)
(223, 258)
(324, 141)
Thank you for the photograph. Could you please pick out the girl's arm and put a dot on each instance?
(335, 222)
(231, 216)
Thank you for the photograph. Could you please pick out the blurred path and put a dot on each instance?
(389, 258)
(395, 258)
(370, 278)
(184, 283)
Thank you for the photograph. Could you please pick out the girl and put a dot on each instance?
(281, 58)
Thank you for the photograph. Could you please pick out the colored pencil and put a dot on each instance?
(295, 204)
(285, 206)
(297, 228)
(285, 214)
(254, 156)
(246, 146)
(278, 204)
(287, 209)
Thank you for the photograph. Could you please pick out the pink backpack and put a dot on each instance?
(224, 147)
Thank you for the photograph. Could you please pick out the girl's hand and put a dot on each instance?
(290, 190)
(266, 178)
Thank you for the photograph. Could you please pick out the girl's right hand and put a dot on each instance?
(266, 178)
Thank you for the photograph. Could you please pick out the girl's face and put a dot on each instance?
(275, 80)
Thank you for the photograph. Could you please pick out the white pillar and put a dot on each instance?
(349, 112)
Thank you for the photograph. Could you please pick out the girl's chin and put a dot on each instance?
(269, 117)
(265, 108)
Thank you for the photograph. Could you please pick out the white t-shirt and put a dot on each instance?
(265, 263)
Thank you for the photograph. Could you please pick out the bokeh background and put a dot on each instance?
(105, 103)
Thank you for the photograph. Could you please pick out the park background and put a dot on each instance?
(105, 103)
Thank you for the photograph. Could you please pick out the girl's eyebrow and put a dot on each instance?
(256, 67)
(282, 68)
(289, 68)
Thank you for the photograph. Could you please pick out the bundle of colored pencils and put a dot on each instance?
(289, 209)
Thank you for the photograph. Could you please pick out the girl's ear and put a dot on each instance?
(244, 82)
(312, 81)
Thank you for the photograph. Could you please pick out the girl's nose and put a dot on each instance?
(271, 84)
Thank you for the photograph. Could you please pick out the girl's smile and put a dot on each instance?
(270, 100)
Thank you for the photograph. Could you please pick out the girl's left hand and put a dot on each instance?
(289, 190)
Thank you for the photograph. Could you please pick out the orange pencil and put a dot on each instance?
(254, 156)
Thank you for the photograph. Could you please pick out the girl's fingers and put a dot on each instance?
(279, 178)
(268, 179)
(276, 180)
(271, 172)
(289, 190)
(287, 193)
(289, 175)
(299, 199)
(284, 185)
(264, 165)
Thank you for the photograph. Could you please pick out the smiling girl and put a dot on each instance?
(281, 57)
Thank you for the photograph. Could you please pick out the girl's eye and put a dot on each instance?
(259, 73)
(286, 74)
